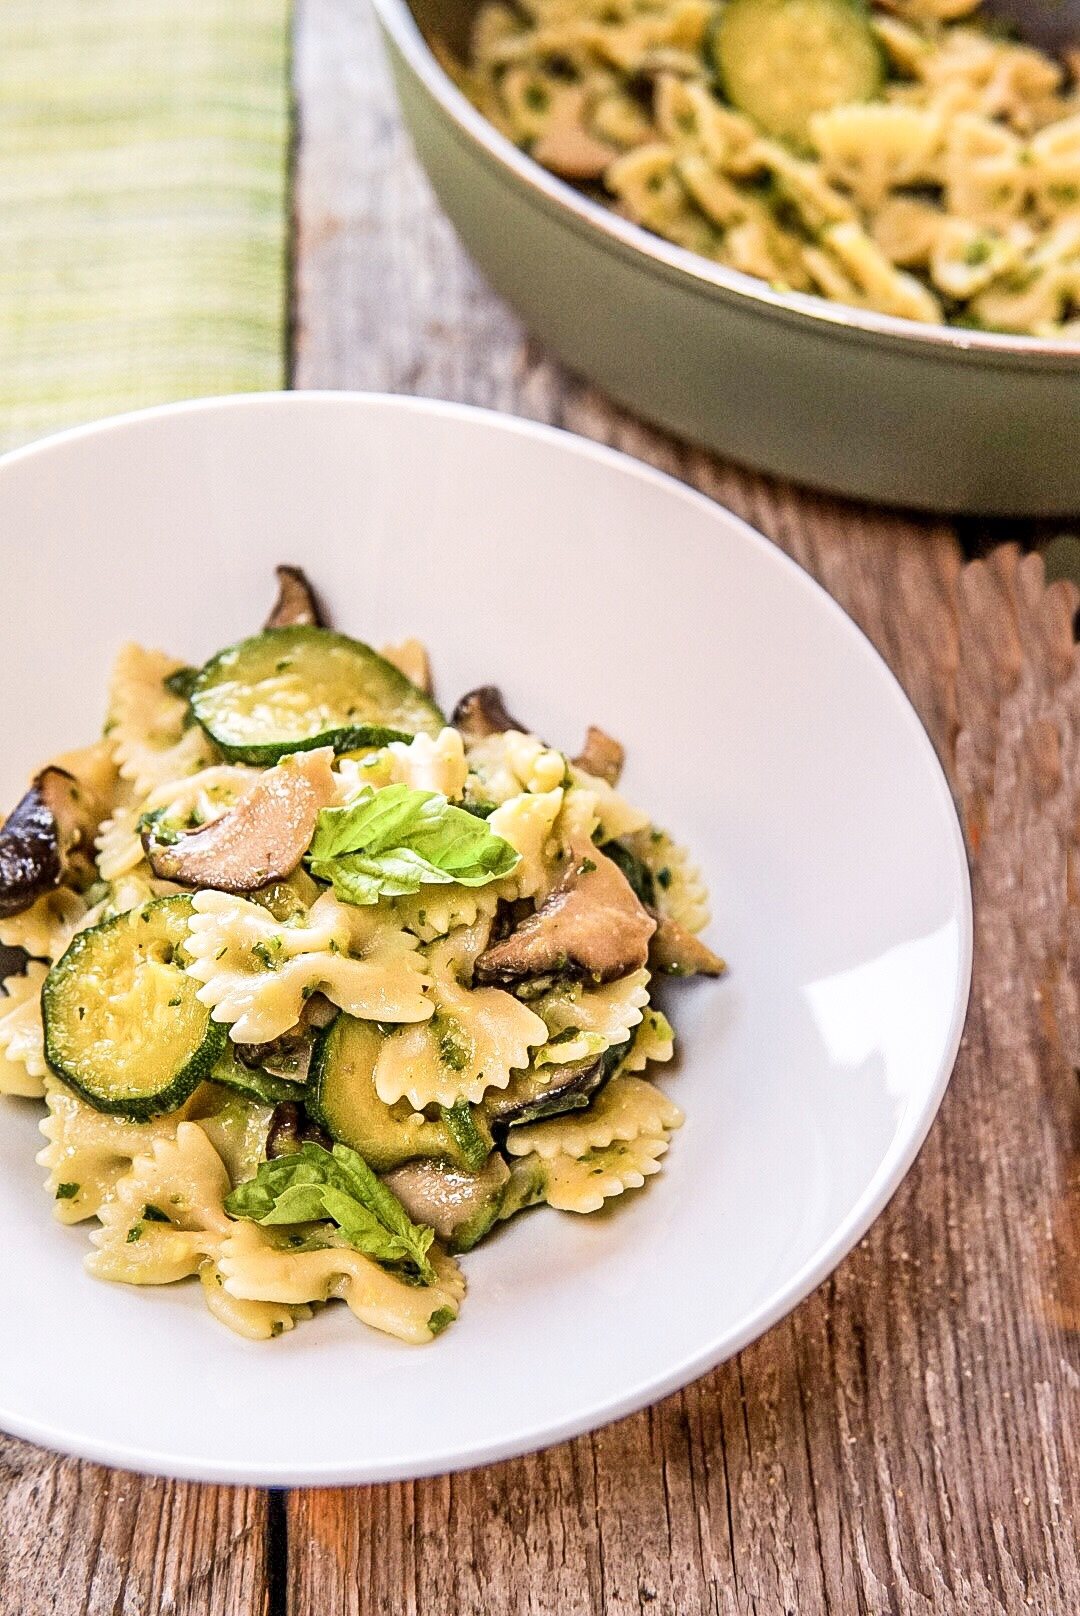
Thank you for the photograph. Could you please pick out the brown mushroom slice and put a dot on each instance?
(261, 839)
(296, 605)
(291, 1127)
(601, 755)
(567, 146)
(677, 952)
(482, 712)
(47, 836)
(591, 924)
(460, 1207)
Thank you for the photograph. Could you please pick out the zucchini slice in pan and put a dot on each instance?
(123, 1027)
(292, 689)
(780, 61)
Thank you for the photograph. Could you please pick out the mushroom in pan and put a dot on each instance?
(591, 924)
(602, 755)
(296, 605)
(48, 836)
(482, 712)
(261, 839)
(567, 145)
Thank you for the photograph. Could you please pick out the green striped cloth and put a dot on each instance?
(144, 155)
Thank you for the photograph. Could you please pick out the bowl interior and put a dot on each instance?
(760, 726)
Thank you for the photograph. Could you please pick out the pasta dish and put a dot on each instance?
(319, 988)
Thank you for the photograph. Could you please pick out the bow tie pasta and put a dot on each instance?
(318, 987)
(893, 155)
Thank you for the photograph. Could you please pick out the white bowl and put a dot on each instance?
(760, 725)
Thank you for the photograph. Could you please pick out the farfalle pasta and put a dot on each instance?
(887, 154)
(319, 987)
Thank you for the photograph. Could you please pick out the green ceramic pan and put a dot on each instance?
(864, 404)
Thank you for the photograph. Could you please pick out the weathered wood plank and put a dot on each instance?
(79, 1540)
(908, 1442)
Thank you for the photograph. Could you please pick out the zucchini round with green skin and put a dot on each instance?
(123, 1026)
(780, 61)
(341, 1097)
(293, 689)
(254, 1081)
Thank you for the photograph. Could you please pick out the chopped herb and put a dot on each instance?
(269, 953)
(454, 1049)
(174, 1002)
(586, 867)
(276, 1328)
(66, 1192)
(441, 1319)
(536, 97)
(154, 1214)
(664, 877)
(134, 1233)
(222, 951)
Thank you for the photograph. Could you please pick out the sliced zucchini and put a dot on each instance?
(342, 1098)
(123, 1027)
(780, 61)
(526, 1187)
(292, 689)
(253, 1081)
(460, 1207)
(548, 1091)
(470, 1132)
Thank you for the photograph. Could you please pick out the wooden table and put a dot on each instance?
(908, 1441)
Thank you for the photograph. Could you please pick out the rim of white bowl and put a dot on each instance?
(893, 1169)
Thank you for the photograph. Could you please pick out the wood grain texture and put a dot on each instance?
(908, 1442)
(78, 1540)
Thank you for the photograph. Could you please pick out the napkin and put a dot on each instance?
(144, 169)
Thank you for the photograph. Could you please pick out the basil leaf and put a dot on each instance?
(389, 843)
(313, 1184)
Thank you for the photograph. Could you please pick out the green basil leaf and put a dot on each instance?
(314, 1184)
(389, 843)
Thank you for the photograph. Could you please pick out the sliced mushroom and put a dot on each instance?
(548, 1091)
(261, 839)
(291, 1127)
(601, 755)
(296, 605)
(591, 925)
(289, 1056)
(567, 146)
(678, 952)
(48, 836)
(460, 1207)
(483, 712)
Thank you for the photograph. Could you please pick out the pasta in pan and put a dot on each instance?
(887, 154)
(319, 988)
